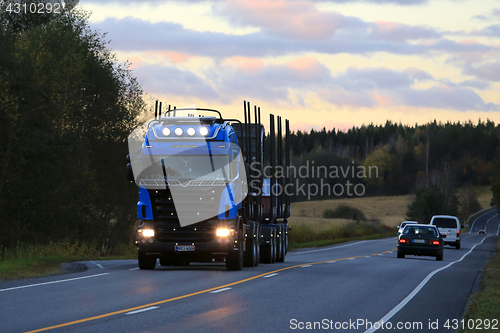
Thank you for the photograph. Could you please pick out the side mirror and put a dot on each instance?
(397, 227)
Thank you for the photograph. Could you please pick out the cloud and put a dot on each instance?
(370, 87)
(479, 17)
(401, 32)
(290, 19)
(301, 20)
(168, 80)
(489, 71)
(490, 31)
(355, 79)
(271, 82)
(477, 84)
(131, 34)
(171, 56)
(446, 97)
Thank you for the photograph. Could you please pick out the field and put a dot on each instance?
(388, 210)
(484, 195)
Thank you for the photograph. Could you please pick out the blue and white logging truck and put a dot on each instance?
(203, 196)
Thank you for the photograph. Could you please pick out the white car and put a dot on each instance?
(403, 224)
(449, 227)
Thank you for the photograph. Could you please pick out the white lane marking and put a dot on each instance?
(98, 265)
(142, 310)
(338, 247)
(478, 218)
(415, 291)
(306, 266)
(351, 258)
(270, 275)
(381, 254)
(220, 290)
(133, 269)
(367, 256)
(51, 282)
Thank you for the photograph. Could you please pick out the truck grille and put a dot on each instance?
(192, 233)
(202, 201)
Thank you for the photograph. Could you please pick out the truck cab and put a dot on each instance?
(195, 203)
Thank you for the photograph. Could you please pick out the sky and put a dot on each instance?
(319, 63)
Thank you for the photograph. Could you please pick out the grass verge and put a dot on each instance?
(485, 304)
(305, 236)
(30, 261)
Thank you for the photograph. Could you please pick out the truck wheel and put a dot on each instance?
(234, 260)
(281, 246)
(457, 245)
(279, 243)
(286, 239)
(257, 246)
(145, 261)
(250, 253)
(267, 252)
(273, 257)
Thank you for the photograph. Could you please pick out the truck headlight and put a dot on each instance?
(148, 233)
(222, 232)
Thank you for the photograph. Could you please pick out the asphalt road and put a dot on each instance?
(342, 288)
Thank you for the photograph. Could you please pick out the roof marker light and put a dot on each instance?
(204, 131)
(191, 131)
(179, 131)
(165, 131)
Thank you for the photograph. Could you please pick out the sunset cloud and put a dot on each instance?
(383, 56)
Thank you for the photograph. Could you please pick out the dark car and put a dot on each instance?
(481, 232)
(421, 240)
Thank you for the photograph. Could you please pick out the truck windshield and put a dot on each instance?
(186, 168)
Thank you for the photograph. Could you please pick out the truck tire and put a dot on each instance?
(251, 253)
(279, 243)
(257, 244)
(267, 252)
(286, 239)
(234, 260)
(251, 247)
(457, 246)
(275, 245)
(281, 246)
(145, 261)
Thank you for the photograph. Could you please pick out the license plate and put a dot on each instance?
(181, 248)
(418, 241)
